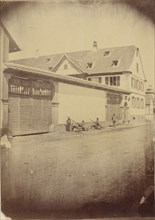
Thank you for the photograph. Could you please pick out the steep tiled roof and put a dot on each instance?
(101, 63)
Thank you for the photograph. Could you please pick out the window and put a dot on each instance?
(89, 65)
(132, 82)
(138, 103)
(65, 66)
(137, 67)
(113, 80)
(113, 99)
(50, 68)
(136, 81)
(138, 85)
(100, 79)
(114, 62)
(133, 102)
(142, 103)
(89, 79)
(107, 80)
(141, 86)
(48, 59)
(106, 53)
(118, 81)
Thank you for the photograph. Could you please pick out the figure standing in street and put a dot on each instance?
(114, 119)
(68, 124)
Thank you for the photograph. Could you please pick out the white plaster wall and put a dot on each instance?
(80, 103)
(124, 81)
(133, 68)
(137, 75)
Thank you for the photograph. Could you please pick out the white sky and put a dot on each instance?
(61, 27)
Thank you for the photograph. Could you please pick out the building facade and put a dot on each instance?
(38, 99)
(118, 67)
(41, 91)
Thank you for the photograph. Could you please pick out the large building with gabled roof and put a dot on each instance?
(116, 67)
(44, 90)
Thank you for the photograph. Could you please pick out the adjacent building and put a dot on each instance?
(7, 45)
(150, 103)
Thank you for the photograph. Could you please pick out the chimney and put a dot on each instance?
(94, 45)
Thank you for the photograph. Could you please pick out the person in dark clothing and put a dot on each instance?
(68, 124)
(79, 126)
(114, 119)
(96, 124)
(83, 128)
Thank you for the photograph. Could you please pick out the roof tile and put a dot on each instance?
(101, 63)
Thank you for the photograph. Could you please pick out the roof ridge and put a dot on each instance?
(80, 51)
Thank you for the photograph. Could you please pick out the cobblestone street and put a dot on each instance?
(91, 174)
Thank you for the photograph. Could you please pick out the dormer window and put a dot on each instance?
(89, 65)
(65, 66)
(48, 59)
(106, 53)
(115, 63)
(50, 68)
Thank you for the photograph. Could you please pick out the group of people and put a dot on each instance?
(72, 125)
(75, 126)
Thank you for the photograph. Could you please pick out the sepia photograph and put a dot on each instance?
(77, 109)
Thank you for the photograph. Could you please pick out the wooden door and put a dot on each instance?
(113, 106)
(30, 107)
